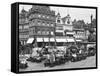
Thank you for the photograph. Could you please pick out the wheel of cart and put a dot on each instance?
(90, 48)
(47, 63)
(50, 60)
(23, 64)
(59, 60)
(91, 51)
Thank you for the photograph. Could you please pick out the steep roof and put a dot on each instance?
(41, 9)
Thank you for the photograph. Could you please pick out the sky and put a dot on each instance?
(75, 13)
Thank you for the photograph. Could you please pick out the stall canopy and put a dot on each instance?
(70, 40)
(39, 39)
(52, 40)
(78, 40)
(46, 39)
(61, 40)
(59, 31)
(30, 40)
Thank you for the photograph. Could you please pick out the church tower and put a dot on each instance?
(67, 20)
(58, 19)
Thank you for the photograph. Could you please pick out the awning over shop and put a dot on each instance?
(78, 40)
(70, 40)
(71, 33)
(30, 40)
(60, 31)
(61, 40)
(39, 39)
(46, 39)
(52, 40)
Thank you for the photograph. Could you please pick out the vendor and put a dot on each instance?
(35, 53)
(52, 57)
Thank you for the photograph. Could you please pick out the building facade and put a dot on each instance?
(59, 26)
(79, 34)
(38, 22)
(41, 21)
(23, 27)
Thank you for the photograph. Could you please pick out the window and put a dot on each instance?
(51, 24)
(52, 33)
(39, 32)
(43, 32)
(33, 15)
(20, 27)
(39, 15)
(43, 23)
(68, 21)
(33, 31)
(47, 24)
(23, 36)
(39, 22)
(47, 32)
(58, 21)
(47, 16)
(33, 22)
(26, 27)
(52, 18)
(43, 16)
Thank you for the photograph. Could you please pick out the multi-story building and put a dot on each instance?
(59, 26)
(67, 26)
(41, 23)
(23, 27)
(64, 28)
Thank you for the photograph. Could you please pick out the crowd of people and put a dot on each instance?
(52, 56)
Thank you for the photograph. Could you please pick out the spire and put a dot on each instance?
(23, 10)
(58, 18)
(68, 15)
(91, 17)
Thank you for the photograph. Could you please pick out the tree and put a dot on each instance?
(78, 24)
(91, 38)
(93, 24)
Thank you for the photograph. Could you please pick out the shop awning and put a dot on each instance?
(70, 40)
(71, 33)
(60, 31)
(39, 39)
(52, 40)
(30, 40)
(78, 40)
(61, 40)
(46, 39)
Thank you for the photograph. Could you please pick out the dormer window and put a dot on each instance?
(58, 21)
(68, 21)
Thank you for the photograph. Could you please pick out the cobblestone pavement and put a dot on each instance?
(89, 62)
